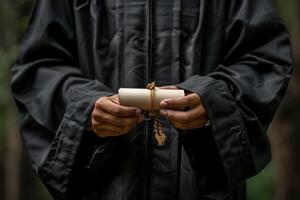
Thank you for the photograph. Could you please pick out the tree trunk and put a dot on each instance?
(8, 38)
(13, 155)
(284, 136)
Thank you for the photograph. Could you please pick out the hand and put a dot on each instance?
(109, 118)
(173, 109)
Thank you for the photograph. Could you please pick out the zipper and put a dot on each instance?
(149, 42)
(148, 127)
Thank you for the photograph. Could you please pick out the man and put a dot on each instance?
(232, 58)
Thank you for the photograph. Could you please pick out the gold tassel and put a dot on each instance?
(159, 134)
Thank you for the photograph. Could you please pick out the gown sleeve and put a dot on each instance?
(54, 96)
(241, 96)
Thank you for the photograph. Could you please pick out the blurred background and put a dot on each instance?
(280, 180)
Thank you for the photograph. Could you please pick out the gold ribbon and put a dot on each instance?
(159, 134)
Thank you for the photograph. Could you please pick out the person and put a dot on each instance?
(233, 59)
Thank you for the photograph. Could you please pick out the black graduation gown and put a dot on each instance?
(235, 54)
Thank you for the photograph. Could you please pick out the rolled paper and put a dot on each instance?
(141, 98)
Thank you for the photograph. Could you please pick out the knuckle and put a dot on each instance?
(98, 103)
(197, 97)
(191, 96)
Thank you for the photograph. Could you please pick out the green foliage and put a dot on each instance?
(13, 20)
(5, 60)
(262, 187)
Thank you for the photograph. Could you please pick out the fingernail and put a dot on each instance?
(163, 113)
(164, 104)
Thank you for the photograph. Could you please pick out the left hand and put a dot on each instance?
(173, 110)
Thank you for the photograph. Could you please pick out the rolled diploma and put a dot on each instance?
(141, 98)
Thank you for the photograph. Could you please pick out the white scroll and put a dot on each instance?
(142, 98)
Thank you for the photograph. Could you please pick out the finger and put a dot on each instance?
(102, 116)
(102, 132)
(184, 116)
(198, 123)
(192, 124)
(116, 109)
(107, 133)
(106, 129)
(180, 126)
(114, 98)
(181, 102)
(123, 122)
(107, 126)
(113, 131)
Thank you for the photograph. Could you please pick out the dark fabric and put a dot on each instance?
(235, 54)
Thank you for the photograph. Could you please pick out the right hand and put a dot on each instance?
(109, 118)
